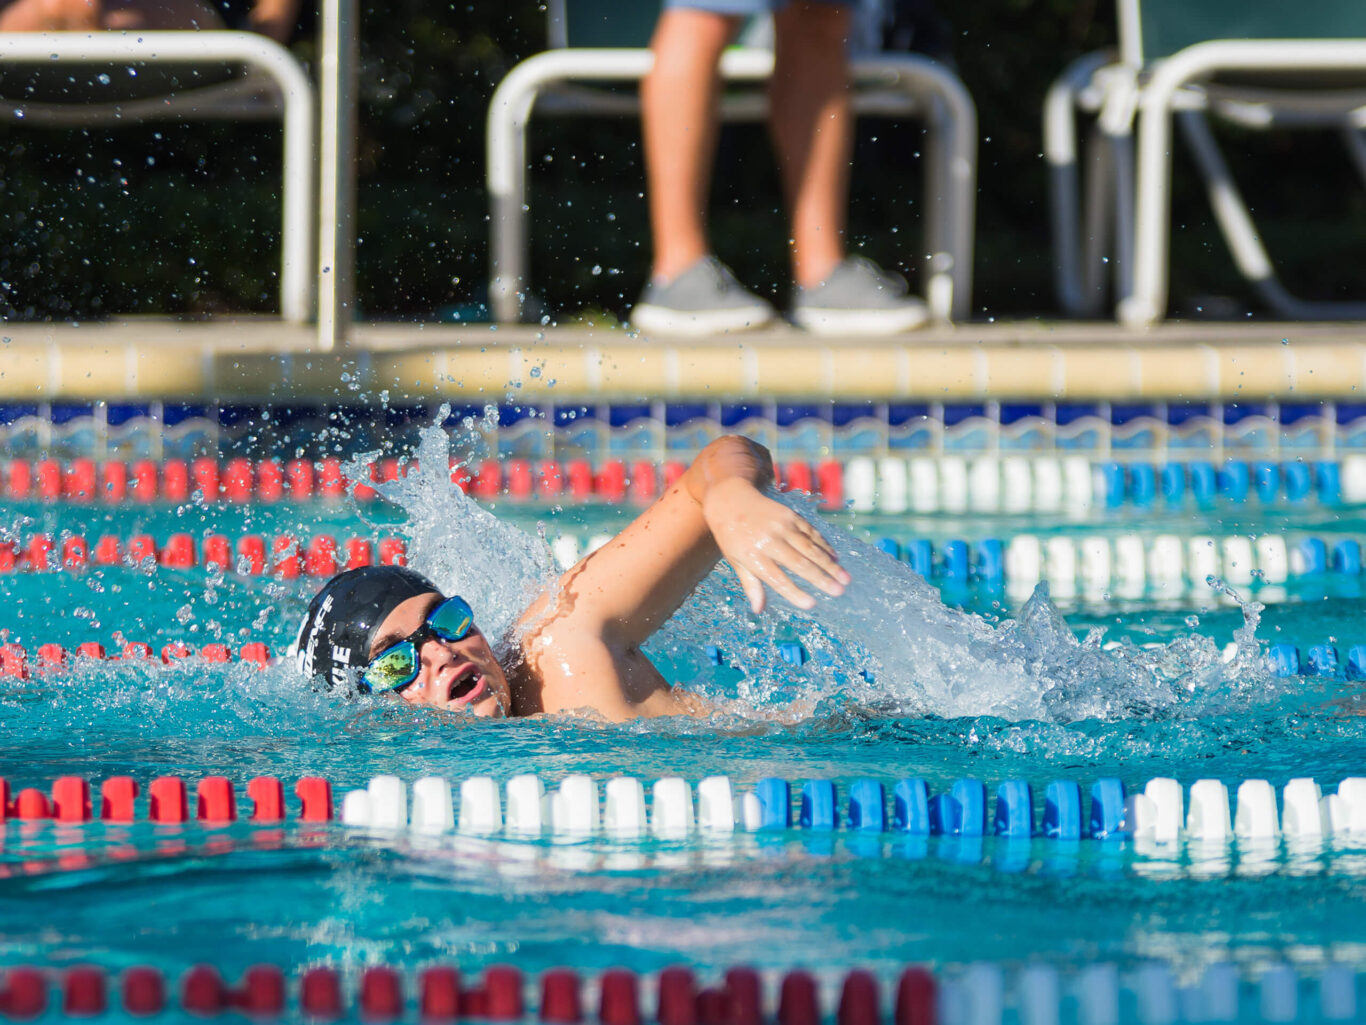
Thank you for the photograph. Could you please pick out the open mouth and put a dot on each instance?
(468, 686)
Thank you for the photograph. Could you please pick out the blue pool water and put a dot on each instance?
(951, 696)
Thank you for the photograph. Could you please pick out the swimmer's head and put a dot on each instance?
(361, 613)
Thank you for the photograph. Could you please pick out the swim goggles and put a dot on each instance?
(398, 665)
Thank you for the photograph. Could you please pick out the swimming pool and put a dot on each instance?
(994, 704)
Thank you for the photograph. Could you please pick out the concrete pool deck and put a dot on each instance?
(263, 359)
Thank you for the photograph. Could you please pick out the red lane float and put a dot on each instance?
(239, 480)
(84, 993)
(267, 796)
(75, 552)
(167, 800)
(560, 997)
(80, 480)
(439, 994)
(117, 795)
(619, 998)
(315, 794)
(71, 799)
(25, 993)
(144, 991)
(114, 483)
(380, 995)
(320, 994)
(144, 480)
(216, 802)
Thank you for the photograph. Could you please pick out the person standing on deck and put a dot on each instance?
(690, 291)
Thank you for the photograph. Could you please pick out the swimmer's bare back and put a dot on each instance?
(580, 643)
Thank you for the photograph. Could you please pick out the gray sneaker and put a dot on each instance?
(858, 298)
(704, 300)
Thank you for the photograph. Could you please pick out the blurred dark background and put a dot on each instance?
(185, 219)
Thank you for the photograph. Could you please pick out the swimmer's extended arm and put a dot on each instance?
(584, 639)
(631, 585)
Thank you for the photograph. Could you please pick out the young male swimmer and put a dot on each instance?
(577, 647)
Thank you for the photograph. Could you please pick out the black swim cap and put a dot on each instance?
(335, 637)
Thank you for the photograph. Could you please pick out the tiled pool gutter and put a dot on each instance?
(261, 359)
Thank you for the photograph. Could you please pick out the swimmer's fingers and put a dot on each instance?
(816, 563)
(771, 572)
(810, 533)
(752, 586)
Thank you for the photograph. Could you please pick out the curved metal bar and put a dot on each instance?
(1147, 304)
(949, 214)
(220, 45)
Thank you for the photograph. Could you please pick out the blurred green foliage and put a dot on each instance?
(185, 219)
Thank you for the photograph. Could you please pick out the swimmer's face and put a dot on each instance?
(458, 675)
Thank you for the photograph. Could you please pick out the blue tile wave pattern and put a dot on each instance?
(660, 429)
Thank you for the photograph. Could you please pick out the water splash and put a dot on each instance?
(889, 643)
(462, 546)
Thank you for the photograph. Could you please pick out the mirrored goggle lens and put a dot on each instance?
(395, 668)
(452, 619)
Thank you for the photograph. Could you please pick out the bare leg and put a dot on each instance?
(811, 124)
(86, 15)
(51, 16)
(678, 120)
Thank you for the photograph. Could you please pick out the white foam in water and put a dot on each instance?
(465, 548)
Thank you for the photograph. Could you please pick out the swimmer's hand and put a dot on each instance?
(764, 541)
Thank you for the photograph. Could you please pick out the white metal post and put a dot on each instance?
(337, 179)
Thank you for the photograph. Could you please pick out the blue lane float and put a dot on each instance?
(1163, 811)
(1282, 659)
(1062, 810)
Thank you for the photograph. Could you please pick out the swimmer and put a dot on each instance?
(385, 629)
